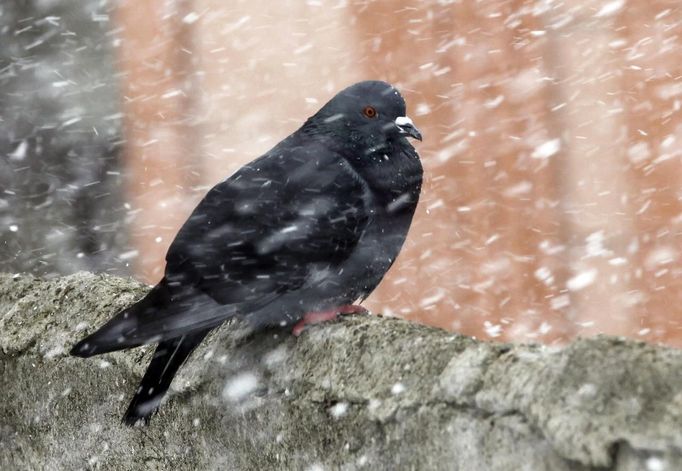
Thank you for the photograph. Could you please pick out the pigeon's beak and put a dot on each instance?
(406, 126)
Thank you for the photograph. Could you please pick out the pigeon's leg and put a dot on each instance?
(317, 317)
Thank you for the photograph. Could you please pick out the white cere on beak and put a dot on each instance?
(403, 120)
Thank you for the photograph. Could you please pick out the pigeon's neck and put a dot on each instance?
(318, 130)
(312, 127)
(342, 141)
(391, 172)
(388, 169)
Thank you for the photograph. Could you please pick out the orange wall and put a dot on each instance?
(552, 144)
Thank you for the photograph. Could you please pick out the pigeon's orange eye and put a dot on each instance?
(370, 112)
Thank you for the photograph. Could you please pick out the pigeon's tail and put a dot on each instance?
(115, 334)
(168, 357)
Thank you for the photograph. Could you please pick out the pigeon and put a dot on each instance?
(295, 237)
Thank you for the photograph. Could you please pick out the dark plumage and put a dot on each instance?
(313, 224)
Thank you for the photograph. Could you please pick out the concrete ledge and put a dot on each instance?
(362, 393)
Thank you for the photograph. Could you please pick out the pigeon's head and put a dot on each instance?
(369, 114)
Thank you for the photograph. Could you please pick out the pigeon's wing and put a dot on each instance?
(257, 235)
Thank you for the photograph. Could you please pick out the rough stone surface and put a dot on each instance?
(361, 393)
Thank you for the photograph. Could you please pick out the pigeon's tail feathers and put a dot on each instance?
(115, 334)
(168, 357)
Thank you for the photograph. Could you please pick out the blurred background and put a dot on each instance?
(552, 143)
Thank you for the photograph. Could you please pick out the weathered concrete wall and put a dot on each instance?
(362, 393)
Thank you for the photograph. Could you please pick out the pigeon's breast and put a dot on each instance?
(380, 244)
(395, 186)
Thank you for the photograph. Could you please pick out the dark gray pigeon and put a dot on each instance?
(294, 237)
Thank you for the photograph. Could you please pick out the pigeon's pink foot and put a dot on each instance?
(317, 317)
